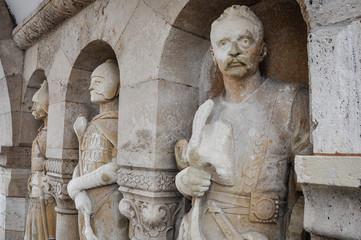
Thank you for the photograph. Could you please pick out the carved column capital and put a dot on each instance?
(151, 202)
(59, 173)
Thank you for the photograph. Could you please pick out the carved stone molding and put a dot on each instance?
(61, 167)
(59, 174)
(150, 219)
(48, 15)
(151, 202)
(147, 180)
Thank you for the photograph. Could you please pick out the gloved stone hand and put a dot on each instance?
(83, 203)
(193, 182)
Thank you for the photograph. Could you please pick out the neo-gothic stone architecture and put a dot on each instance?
(166, 71)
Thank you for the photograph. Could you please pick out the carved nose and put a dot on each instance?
(91, 86)
(235, 51)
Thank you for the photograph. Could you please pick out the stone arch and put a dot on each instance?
(186, 57)
(28, 124)
(6, 136)
(77, 98)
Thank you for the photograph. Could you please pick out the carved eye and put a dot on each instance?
(222, 42)
(246, 43)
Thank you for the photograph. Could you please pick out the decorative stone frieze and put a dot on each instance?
(48, 15)
(146, 180)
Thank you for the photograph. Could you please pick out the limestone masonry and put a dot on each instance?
(180, 119)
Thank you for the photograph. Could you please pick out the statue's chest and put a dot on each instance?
(96, 149)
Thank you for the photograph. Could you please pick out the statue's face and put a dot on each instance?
(38, 112)
(99, 88)
(236, 48)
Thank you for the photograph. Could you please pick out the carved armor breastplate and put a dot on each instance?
(96, 149)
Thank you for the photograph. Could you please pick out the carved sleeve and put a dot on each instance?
(300, 124)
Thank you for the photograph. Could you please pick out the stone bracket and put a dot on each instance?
(332, 190)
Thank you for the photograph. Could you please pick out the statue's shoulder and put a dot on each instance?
(286, 88)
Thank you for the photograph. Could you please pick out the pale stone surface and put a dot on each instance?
(13, 55)
(58, 77)
(321, 13)
(181, 59)
(30, 64)
(14, 182)
(151, 125)
(12, 213)
(148, 53)
(104, 20)
(332, 212)
(334, 54)
(339, 171)
(11, 235)
(6, 134)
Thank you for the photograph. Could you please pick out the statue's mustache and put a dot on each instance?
(245, 61)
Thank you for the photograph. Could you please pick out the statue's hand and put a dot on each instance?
(83, 203)
(253, 235)
(193, 182)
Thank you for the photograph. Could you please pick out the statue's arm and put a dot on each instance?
(104, 175)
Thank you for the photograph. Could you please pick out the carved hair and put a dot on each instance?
(243, 12)
(109, 70)
(42, 96)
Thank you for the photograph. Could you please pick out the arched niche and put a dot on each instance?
(186, 57)
(28, 124)
(6, 125)
(77, 93)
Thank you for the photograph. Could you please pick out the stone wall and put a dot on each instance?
(162, 50)
(14, 150)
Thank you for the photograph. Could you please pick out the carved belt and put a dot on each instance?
(260, 207)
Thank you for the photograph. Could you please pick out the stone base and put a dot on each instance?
(12, 217)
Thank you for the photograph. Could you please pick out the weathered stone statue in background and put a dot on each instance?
(41, 216)
(93, 185)
(237, 164)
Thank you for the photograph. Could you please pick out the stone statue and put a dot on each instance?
(237, 164)
(41, 216)
(93, 187)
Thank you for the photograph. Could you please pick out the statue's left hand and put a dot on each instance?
(83, 203)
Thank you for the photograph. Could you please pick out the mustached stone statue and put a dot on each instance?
(41, 217)
(236, 166)
(93, 187)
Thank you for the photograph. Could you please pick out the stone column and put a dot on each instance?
(59, 174)
(14, 174)
(14, 151)
(331, 179)
(148, 129)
